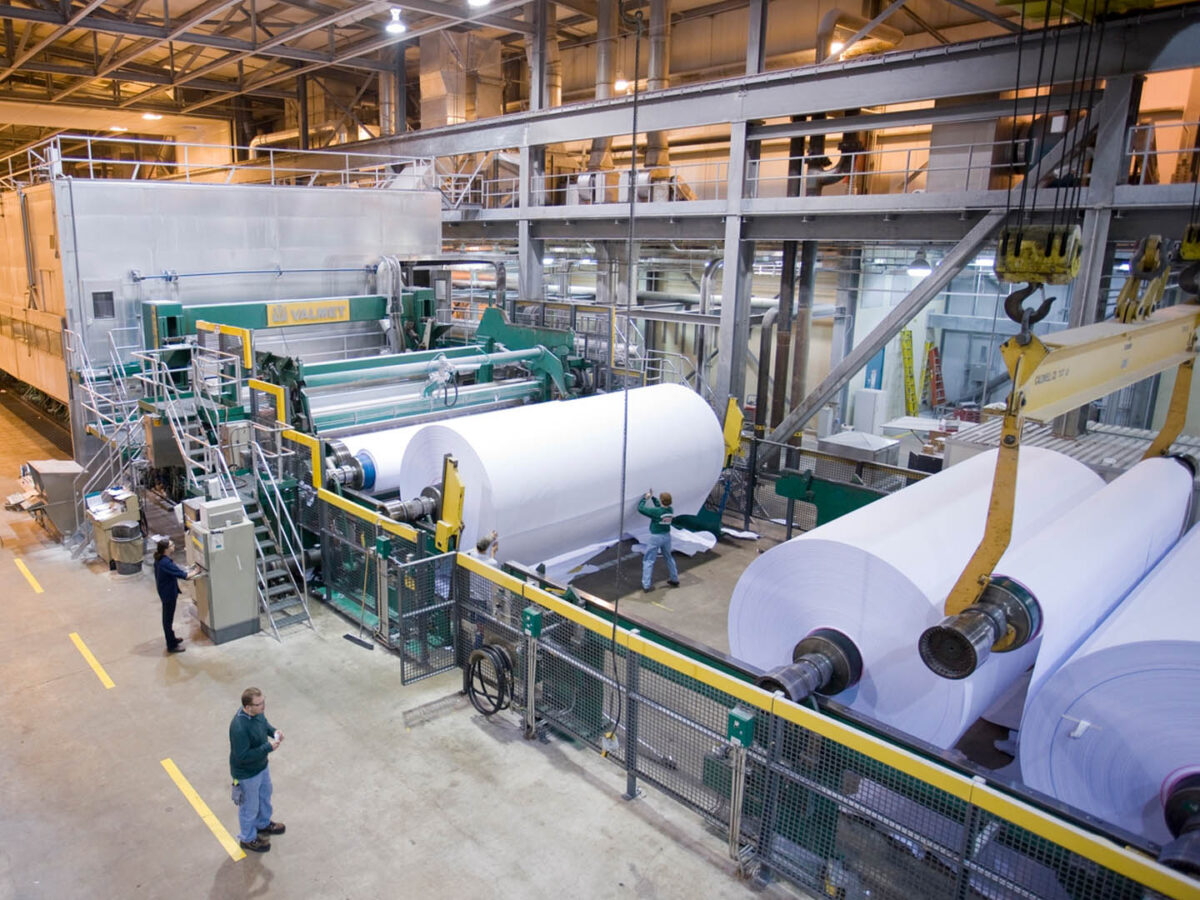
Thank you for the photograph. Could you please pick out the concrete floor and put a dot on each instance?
(386, 790)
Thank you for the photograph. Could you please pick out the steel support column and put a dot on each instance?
(531, 167)
(756, 38)
(734, 336)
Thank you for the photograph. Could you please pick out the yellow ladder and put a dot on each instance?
(910, 384)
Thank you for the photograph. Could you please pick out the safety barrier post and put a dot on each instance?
(632, 669)
(531, 649)
(766, 830)
(962, 887)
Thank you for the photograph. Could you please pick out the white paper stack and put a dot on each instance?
(547, 477)
(1119, 720)
(880, 575)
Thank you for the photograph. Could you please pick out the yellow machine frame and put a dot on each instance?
(1058, 374)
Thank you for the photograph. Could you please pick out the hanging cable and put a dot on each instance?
(1016, 110)
(634, 20)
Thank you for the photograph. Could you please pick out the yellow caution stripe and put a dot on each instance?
(92, 661)
(33, 582)
(206, 815)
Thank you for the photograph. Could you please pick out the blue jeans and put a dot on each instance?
(656, 544)
(254, 812)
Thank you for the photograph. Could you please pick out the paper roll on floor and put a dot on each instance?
(880, 576)
(547, 477)
(1120, 717)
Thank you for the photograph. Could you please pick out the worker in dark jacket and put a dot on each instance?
(166, 580)
(659, 539)
(251, 738)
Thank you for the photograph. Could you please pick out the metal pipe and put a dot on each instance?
(405, 408)
(600, 156)
(658, 154)
(385, 374)
(783, 334)
(136, 276)
(800, 323)
(706, 282)
(763, 387)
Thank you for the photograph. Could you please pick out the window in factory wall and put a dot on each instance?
(102, 305)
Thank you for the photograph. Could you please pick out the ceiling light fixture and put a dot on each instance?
(919, 267)
(620, 85)
(151, 117)
(117, 128)
(395, 26)
(836, 47)
(478, 4)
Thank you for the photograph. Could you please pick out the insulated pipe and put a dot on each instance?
(850, 143)
(606, 65)
(658, 154)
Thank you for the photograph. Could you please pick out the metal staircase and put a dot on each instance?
(196, 448)
(195, 420)
(282, 587)
(115, 420)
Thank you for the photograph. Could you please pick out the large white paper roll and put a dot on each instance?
(547, 477)
(1085, 562)
(1120, 717)
(382, 452)
(880, 575)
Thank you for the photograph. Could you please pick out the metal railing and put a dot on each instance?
(803, 795)
(281, 525)
(88, 156)
(1163, 153)
(158, 386)
(115, 420)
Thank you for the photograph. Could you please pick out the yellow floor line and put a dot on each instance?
(663, 605)
(33, 582)
(92, 661)
(214, 824)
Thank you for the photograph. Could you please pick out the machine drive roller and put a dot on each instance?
(825, 662)
(1006, 617)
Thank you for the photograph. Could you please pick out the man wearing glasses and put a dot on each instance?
(251, 738)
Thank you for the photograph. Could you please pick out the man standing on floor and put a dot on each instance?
(251, 738)
(659, 539)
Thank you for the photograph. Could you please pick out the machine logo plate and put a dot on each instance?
(307, 312)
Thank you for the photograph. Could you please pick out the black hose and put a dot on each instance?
(490, 692)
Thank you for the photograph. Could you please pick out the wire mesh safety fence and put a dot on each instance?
(421, 612)
(825, 807)
(802, 797)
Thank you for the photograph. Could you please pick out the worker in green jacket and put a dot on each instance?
(659, 539)
(251, 738)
